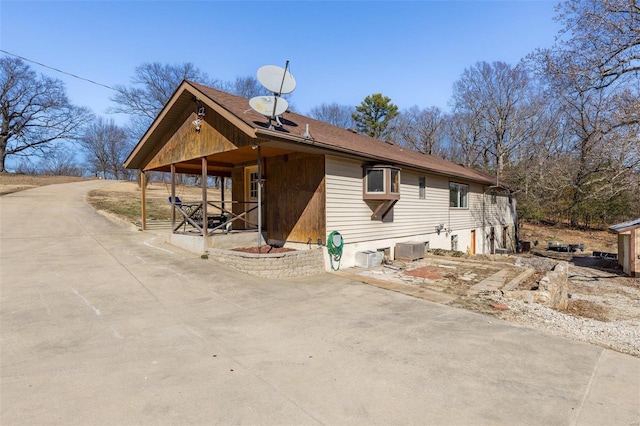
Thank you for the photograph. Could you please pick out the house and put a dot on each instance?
(628, 246)
(299, 181)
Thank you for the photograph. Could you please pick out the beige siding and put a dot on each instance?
(412, 217)
(500, 215)
(349, 214)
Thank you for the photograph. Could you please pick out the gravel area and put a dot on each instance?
(611, 318)
(620, 335)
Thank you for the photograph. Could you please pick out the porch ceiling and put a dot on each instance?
(222, 163)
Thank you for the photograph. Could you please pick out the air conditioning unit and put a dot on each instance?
(369, 259)
(410, 251)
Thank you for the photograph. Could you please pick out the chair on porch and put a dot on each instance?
(178, 201)
(193, 213)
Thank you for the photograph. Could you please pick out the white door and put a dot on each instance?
(251, 187)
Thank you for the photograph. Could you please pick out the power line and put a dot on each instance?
(60, 71)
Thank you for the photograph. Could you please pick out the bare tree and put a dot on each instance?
(464, 131)
(600, 157)
(106, 146)
(500, 96)
(583, 163)
(602, 37)
(247, 87)
(151, 87)
(36, 113)
(421, 129)
(62, 162)
(335, 114)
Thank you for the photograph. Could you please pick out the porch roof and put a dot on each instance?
(292, 136)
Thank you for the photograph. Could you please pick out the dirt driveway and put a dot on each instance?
(105, 325)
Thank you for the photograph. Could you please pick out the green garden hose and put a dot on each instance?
(334, 247)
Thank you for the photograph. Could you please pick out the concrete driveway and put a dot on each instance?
(101, 324)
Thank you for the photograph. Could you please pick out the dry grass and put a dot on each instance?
(124, 199)
(587, 309)
(11, 182)
(594, 240)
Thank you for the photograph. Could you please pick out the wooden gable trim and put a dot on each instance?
(134, 160)
(188, 144)
(155, 124)
(226, 114)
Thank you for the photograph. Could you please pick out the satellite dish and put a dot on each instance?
(271, 106)
(276, 79)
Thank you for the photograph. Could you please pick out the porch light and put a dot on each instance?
(200, 112)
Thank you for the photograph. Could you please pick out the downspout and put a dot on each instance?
(484, 222)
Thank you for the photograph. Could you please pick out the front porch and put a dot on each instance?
(277, 184)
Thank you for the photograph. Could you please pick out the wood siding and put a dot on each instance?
(187, 144)
(295, 197)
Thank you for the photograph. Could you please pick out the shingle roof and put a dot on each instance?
(339, 139)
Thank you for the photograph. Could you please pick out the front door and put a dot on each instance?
(473, 241)
(251, 188)
(505, 233)
(492, 240)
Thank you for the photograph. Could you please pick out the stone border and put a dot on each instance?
(552, 288)
(290, 264)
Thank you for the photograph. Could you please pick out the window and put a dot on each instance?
(381, 183)
(375, 181)
(253, 186)
(422, 187)
(494, 198)
(395, 181)
(458, 195)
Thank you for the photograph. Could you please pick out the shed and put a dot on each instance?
(628, 246)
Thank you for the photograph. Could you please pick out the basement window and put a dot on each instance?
(381, 183)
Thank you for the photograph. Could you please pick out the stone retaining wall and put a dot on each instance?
(552, 288)
(290, 264)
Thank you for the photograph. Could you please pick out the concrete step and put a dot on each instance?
(490, 284)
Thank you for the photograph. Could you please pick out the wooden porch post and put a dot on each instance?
(173, 196)
(222, 187)
(205, 220)
(143, 195)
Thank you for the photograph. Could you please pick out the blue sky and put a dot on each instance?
(338, 51)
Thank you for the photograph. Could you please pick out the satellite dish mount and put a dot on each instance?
(279, 81)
